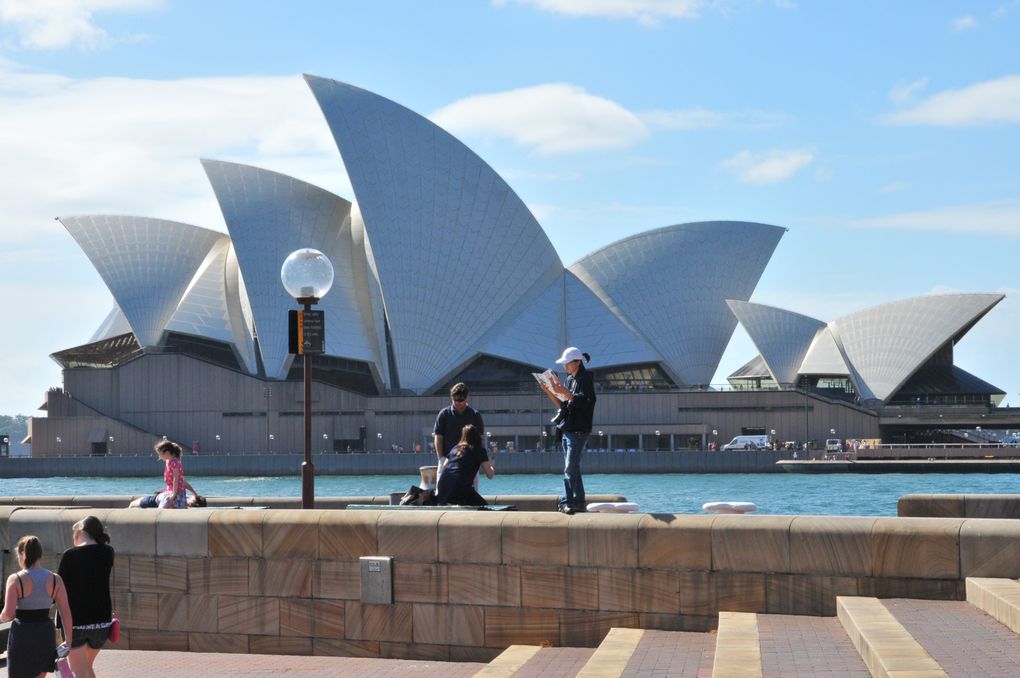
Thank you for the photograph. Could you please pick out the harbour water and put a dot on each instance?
(839, 494)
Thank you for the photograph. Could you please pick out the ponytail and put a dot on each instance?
(587, 358)
(93, 527)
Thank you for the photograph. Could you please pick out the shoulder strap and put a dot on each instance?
(21, 585)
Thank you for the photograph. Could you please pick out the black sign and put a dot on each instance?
(313, 334)
(307, 332)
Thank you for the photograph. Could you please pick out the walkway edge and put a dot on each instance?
(998, 598)
(612, 654)
(509, 661)
(887, 648)
(737, 649)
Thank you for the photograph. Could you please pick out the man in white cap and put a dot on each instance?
(576, 401)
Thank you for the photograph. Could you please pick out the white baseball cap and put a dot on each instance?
(570, 354)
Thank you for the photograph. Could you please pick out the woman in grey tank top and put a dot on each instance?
(28, 598)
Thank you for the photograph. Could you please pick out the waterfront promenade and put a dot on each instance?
(400, 464)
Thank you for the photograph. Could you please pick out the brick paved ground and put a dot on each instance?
(555, 662)
(140, 664)
(674, 654)
(815, 647)
(961, 638)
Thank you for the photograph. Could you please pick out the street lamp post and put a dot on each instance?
(715, 439)
(378, 437)
(307, 275)
(772, 438)
(602, 444)
(658, 440)
(110, 451)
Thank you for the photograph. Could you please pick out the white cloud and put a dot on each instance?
(994, 101)
(769, 167)
(551, 118)
(646, 12)
(700, 118)
(1000, 217)
(894, 187)
(964, 23)
(123, 146)
(55, 24)
(905, 93)
(133, 146)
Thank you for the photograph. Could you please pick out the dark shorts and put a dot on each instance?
(150, 501)
(96, 638)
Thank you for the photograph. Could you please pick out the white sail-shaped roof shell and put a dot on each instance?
(454, 247)
(147, 264)
(782, 337)
(270, 215)
(593, 327)
(212, 306)
(824, 356)
(886, 344)
(673, 283)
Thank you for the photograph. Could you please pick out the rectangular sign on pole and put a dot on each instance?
(306, 332)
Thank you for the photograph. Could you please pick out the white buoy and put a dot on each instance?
(739, 507)
(612, 507)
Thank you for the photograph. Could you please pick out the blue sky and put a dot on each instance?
(885, 136)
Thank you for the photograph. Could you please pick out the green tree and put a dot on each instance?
(16, 427)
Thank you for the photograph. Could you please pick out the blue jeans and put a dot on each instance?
(573, 446)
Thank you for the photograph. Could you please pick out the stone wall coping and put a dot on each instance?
(842, 546)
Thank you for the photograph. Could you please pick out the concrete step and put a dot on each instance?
(612, 655)
(961, 638)
(807, 646)
(737, 646)
(508, 661)
(886, 647)
(999, 598)
(784, 645)
(677, 654)
(555, 662)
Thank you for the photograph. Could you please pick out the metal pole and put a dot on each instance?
(307, 468)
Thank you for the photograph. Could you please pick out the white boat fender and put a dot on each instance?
(612, 507)
(739, 507)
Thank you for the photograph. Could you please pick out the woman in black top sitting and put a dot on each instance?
(85, 569)
(457, 480)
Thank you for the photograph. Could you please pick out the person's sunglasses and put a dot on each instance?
(460, 399)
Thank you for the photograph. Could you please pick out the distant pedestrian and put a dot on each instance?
(450, 423)
(576, 401)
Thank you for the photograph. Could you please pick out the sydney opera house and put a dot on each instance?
(442, 274)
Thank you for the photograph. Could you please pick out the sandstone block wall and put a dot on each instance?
(959, 505)
(467, 585)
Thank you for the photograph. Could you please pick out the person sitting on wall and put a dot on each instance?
(456, 482)
(152, 500)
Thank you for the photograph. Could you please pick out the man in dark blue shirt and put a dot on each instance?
(450, 422)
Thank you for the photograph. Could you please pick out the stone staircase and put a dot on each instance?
(894, 638)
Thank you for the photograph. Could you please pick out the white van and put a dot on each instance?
(747, 443)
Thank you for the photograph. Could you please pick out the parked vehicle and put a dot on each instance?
(747, 443)
(833, 445)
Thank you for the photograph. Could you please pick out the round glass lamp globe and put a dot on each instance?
(307, 273)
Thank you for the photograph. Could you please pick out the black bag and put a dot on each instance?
(418, 497)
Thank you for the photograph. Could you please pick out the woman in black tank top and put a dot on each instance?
(28, 598)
